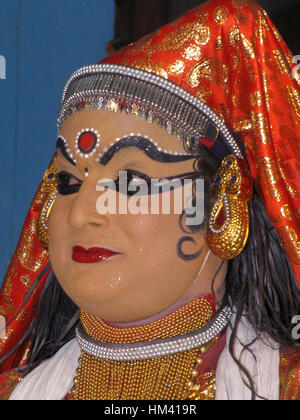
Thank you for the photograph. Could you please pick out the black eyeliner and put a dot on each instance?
(60, 144)
(64, 188)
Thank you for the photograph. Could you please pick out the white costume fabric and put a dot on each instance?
(262, 364)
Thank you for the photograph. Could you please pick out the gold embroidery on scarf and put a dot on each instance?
(270, 172)
(261, 126)
(235, 62)
(241, 18)
(290, 241)
(234, 37)
(248, 47)
(204, 93)
(281, 169)
(286, 212)
(274, 219)
(289, 133)
(274, 193)
(256, 98)
(25, 252)
(192, 52)
(277, 110)
(22, 316)
(238, 41)
(203, 16)
(9, 385)
(26, 281)
(251, 72)
(211, 69)
(281, 62)
(221, 15)
(293, 96)
(141, 45)
(266, 84)
(262, 27)
(219, 43)
(241, 101)
(277, 34)
(149, 65)
(176, 68)
(39, 199)
(292, 189)
(200, 34)
(289, 375)
(8, 332)
(238, 4)
(7, 295)
(224, 112)
(242, 124)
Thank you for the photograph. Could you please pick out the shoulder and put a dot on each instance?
(290, 374)
(8, 382)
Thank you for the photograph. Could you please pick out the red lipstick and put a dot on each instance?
(91, 255)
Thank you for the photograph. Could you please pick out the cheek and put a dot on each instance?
(58, 236)
(154, 241)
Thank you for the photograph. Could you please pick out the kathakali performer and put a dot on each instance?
(142, 304)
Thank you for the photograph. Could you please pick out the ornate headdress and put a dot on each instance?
(220, 76)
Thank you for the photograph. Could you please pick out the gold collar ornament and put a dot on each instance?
(167, 376)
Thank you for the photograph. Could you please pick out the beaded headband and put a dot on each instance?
(141, 93)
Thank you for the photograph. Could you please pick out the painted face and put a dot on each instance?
(123, 267)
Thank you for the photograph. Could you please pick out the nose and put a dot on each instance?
(83, 211)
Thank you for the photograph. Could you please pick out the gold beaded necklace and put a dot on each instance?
(162, 378)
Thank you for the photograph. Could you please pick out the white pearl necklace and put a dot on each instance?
(156, 348)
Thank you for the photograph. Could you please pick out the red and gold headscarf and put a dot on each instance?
(228, 54)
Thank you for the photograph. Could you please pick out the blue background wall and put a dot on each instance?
(43, 42)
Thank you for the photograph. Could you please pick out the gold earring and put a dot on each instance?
(228, 226)
(49, 187)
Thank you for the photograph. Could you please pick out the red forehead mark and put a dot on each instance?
(87, 141)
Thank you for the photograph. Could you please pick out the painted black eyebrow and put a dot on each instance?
(145, 146)
(60, 144)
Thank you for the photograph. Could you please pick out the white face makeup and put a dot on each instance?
(140, 271)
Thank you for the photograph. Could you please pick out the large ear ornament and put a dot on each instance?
(49, 187)
(228, 226)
